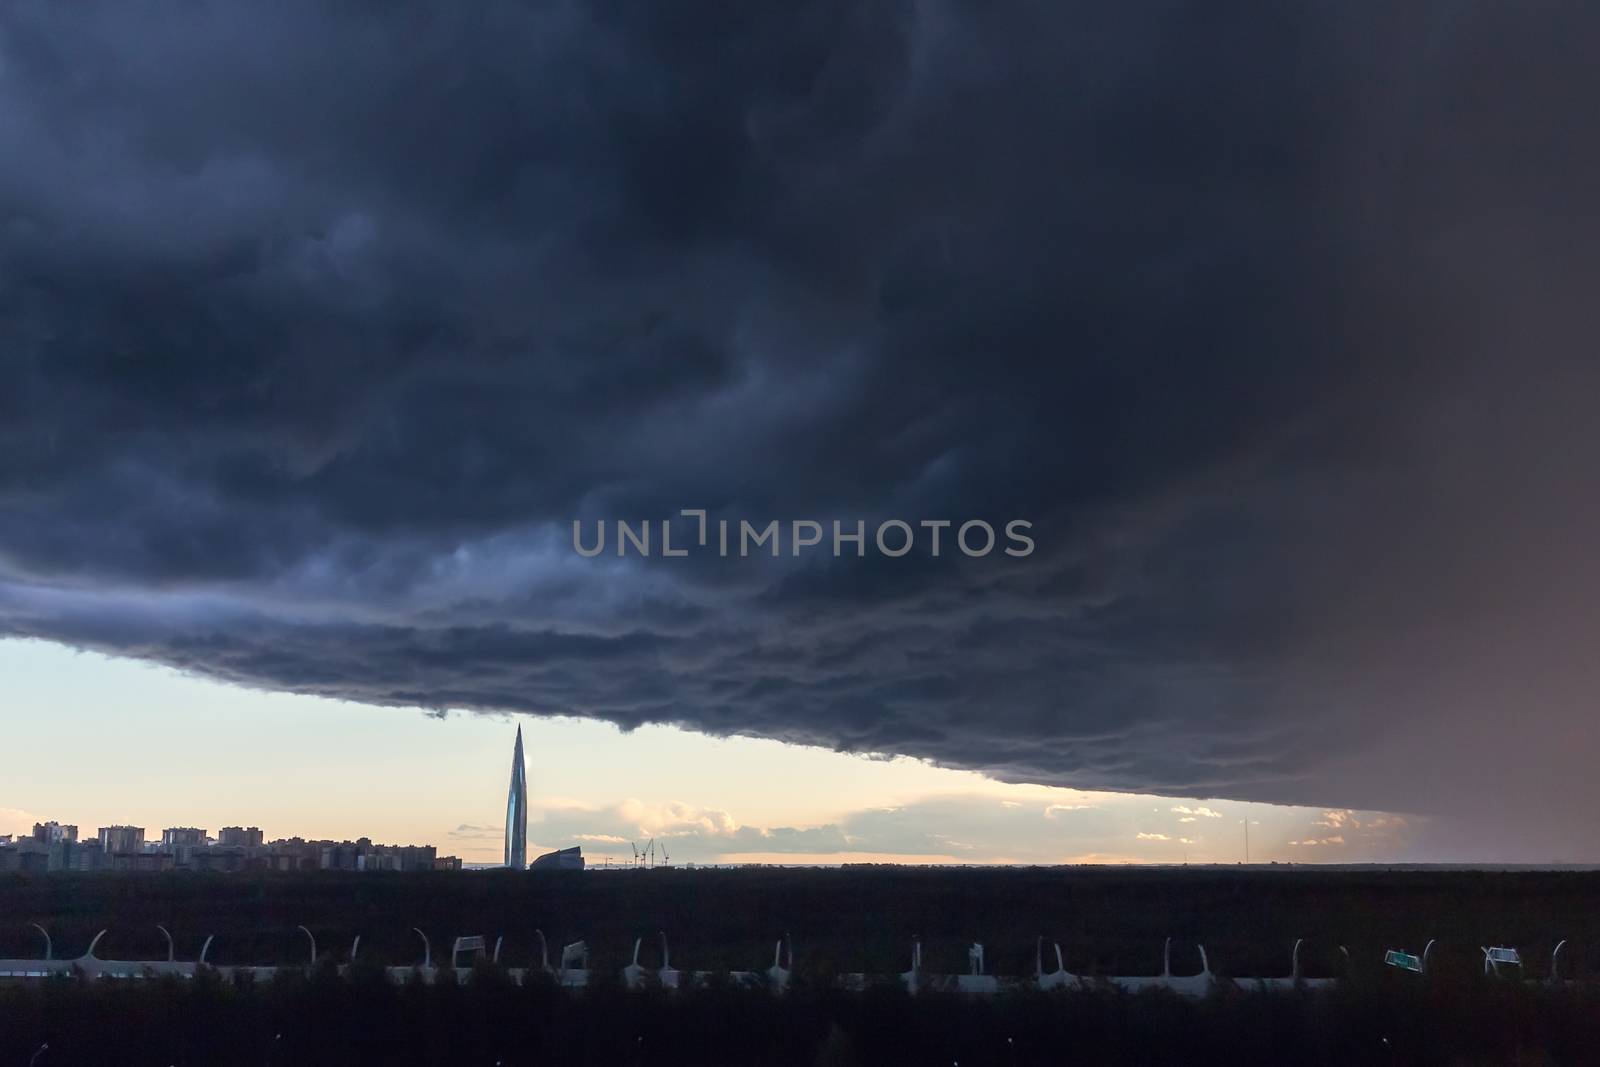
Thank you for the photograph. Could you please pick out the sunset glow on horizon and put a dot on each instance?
(320, 769)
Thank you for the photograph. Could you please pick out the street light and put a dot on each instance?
(427, 949)
(40, 1051)
(171, 952)
(48, 950)
(312, 938)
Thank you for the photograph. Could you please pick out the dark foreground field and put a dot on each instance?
(324, 1019)
(1109, 921)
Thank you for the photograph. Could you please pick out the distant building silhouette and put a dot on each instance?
(115, 839)
(567, 859)
(142, 861)
(181, 843)
(123, 848)
(517, 811)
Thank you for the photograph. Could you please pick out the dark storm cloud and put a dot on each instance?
(318, 326)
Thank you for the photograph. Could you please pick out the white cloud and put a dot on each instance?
(16, 821)
(1202, 811)
(674, 819)
(1058, 809)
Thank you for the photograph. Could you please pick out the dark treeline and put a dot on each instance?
(322, 1018)
(1108, 920)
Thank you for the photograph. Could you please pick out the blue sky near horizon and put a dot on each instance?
(126, 741)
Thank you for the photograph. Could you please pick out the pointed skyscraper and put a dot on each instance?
(517, 811)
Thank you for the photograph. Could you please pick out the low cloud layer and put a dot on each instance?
(319, 328)
(955, 828)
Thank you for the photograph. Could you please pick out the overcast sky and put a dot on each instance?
(320, 325)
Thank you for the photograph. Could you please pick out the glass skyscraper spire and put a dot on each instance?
(517, 811)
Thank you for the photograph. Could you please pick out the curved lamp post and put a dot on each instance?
(171, 950)
(50, 952)
(427, 948)
(88, 953)
(312, 938)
